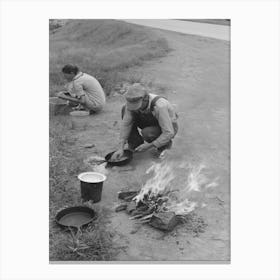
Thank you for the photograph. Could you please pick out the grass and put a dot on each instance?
(61, 163)
(102, 48)
(94, 243)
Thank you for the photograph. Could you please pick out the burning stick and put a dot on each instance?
(158, 203)
(146, 217)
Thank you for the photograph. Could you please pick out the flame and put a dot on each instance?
(165, 177)
(212, 184)
(159, 183)
(183, 207)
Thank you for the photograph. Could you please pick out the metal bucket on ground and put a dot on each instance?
(91, 185)
(79, 120)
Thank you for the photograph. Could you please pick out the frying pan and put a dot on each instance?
(75, 217)
(126, 158)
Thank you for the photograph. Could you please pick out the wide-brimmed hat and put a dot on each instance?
(134, 97)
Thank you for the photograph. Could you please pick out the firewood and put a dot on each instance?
(129, 198)
(136, 217)
(126, 194)
(121, 207)
(146, 217)
(142, 210)
(131, 207)
(165, 221)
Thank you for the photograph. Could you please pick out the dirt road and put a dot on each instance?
(221, 32)
(197, 75)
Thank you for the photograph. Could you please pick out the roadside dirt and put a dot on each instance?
(197, 75)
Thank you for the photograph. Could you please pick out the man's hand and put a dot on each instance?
(143, 147)
(60, 94)
(116, 155)
(78, 107)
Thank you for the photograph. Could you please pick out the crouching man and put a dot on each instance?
(82, 90)
(153, 115)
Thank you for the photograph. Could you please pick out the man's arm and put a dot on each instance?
(80, 93)
(126, 126)
(165, 124)
(67, 97)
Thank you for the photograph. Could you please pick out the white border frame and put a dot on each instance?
(254, 130)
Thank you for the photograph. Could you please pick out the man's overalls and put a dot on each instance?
(149, 126)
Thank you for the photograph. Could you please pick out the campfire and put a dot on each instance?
(167, 196)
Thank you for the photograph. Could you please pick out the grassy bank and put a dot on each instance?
(103, 48)
(93, 243)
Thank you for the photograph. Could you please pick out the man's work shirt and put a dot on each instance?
(86, 85)
(165, 114)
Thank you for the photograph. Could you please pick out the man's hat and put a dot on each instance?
(134, 97)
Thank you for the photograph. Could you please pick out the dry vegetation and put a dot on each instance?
(103, 48)
(95, 241)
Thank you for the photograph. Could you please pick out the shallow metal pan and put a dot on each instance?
(76, 217)
(127, 157)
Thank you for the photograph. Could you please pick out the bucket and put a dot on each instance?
(91, 185)
(79, 119)
(57, 106)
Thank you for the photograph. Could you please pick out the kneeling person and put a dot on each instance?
(153, 115)
(82, 90)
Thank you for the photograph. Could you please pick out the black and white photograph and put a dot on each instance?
(139, 140)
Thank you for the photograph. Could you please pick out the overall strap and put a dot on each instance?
(153, 102)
